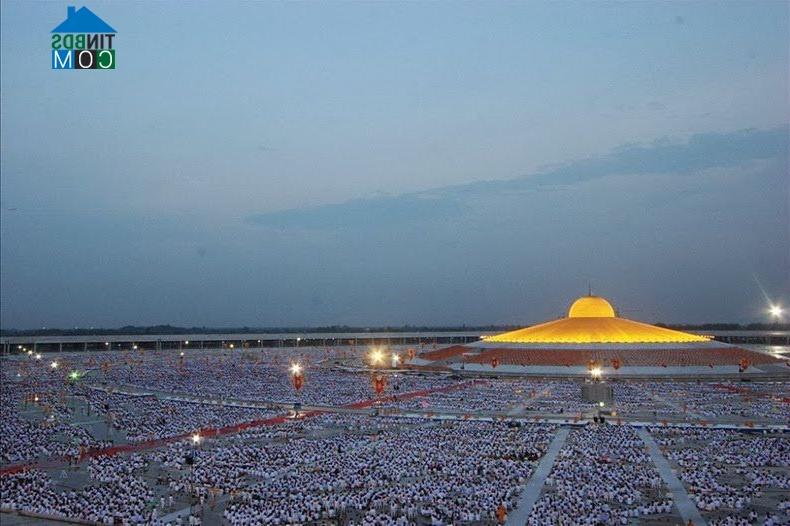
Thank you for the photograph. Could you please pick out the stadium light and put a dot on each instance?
(776, 311)
(376, 356)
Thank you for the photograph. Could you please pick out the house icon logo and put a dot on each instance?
(83, 41)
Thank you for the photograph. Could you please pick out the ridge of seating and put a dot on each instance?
(444, 353)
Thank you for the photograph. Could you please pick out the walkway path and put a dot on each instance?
(686, 507)
(531, 493)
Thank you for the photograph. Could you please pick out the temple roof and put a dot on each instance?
(592, 319)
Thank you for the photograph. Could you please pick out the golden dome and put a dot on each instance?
(591, 307)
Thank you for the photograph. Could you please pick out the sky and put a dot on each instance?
(387, 163)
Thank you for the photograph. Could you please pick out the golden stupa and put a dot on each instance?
(592, 319)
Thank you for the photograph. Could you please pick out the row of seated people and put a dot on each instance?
(445, 353)
(650, 358)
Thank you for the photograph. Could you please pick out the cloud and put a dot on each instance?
(406, 208)
(700, 152)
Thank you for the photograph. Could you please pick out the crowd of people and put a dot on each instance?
(260, 375)
(118, 496)
(36, 421)
(507, 396)
(445, 473)
(151, 417)
(358, 468)
(726, 400)
(733, 477)
(602, 475)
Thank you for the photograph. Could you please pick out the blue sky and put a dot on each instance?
(388, 163)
